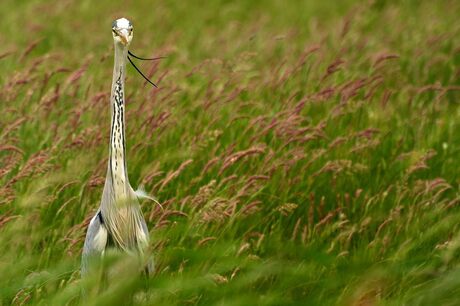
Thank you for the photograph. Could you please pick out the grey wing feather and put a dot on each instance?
(145, 229)
(141, 194)
(95, 242)
(150, 266)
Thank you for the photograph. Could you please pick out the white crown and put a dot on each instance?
(122, 23)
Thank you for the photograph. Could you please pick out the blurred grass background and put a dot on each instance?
(305, 151)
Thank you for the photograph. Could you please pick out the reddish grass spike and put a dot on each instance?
(324, 221)
(13, 126)
(367, 133)
(35, 165)
(325, 94)
(421, 162)
(384, 57)
(172, 213)
(11, 148)
(30, 48)
(205, 240)
(251, 208)
(337, 142)
(67, 185)
(311, 214)
(382, 225)
(5, 54)
(74, 77)
(347, 200)
(175, 174)
(350, 90)
(209, 164)
(332, 68)
(227, 179)
(296, 229)
(232, 159)
(452, 203)
(254, 178)
(5, 220)
(322, 207)
(385, 98)
(345, 27)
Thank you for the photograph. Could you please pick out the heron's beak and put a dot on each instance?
(123, 34)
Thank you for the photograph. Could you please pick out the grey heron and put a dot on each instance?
(119, 222)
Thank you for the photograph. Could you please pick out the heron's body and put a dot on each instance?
(119, 222)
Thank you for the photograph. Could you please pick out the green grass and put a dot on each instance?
(306, 152)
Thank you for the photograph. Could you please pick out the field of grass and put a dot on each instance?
(305, 152)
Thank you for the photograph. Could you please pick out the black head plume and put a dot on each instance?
(143, 59)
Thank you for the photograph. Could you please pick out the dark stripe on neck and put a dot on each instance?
(118, 132)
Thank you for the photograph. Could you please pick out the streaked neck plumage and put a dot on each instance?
(117, 168)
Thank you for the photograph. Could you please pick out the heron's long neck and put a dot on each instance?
(117, 157)
(120, 210)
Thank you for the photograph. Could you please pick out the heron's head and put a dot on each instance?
(122, 31)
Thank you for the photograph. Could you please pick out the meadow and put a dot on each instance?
(304, 152)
